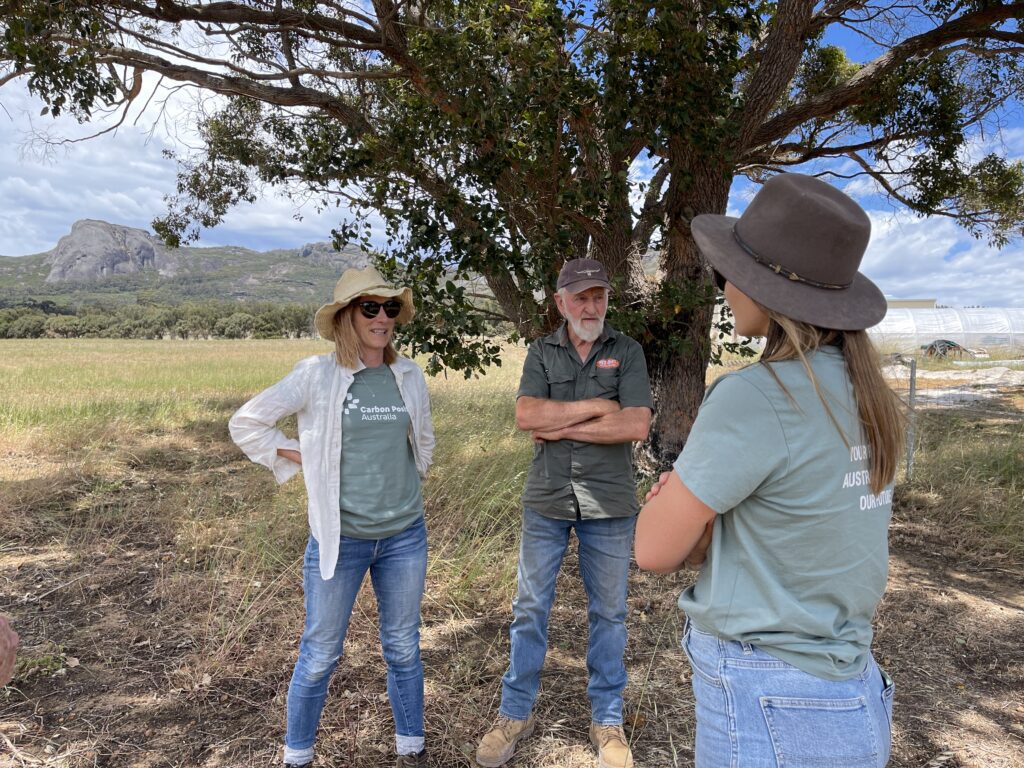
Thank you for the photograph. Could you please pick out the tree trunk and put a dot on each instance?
(678, 379)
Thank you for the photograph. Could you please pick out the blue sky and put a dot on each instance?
(122, 177)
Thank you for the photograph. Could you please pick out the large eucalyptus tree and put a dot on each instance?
(495, 139)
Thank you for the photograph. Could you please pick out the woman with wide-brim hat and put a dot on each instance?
(783, 494)
(365, 440)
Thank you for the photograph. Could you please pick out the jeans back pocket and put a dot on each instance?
(820, 733)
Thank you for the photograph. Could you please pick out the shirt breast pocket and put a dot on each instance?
(604, 382)
(561, 385)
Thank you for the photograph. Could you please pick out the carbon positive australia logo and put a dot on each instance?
(350, 402)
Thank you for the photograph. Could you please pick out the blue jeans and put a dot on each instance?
(756, 711)
(604, 551)
(398, 567)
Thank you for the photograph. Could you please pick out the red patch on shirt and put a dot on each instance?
(607, 363)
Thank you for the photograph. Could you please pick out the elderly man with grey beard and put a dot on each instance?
(585, 398)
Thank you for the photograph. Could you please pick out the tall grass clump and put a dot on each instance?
(969, 478)
(111, 445)
(473, 492)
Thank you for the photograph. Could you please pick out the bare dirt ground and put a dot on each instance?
(138, 651)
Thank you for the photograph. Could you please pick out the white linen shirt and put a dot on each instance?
(315, 390)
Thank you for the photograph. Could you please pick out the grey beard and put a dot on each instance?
(585, 334)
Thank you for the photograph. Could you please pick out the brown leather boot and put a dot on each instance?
(499, 744)
(612, 747)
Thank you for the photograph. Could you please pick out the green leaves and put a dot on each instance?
(994, 187)
(55, 43)
(823, 68)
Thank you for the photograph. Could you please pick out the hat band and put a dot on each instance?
(781, 270)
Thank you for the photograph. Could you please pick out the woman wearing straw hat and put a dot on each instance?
(365, 440)
(784, 490)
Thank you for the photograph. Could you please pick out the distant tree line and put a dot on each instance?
(191, 320)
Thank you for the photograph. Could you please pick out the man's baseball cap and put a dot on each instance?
(579, 274)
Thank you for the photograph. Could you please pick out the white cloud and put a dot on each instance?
(915, 258)
(861, 188)
(120, 177)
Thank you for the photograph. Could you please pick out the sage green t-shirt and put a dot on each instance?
(380, 488)
(799, 557)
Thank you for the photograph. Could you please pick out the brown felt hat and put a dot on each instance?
(796, 250)
(361, 282)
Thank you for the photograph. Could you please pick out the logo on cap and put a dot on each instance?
(577, 271)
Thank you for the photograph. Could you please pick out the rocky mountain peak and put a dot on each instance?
(323, 254)
(95, 250)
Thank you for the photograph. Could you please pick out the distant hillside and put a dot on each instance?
(98, 261)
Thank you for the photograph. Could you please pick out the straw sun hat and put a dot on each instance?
(796, 250)
(361, 282)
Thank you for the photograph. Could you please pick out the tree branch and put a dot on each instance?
(653, 210)
(229, 85)
(969, 26)
(778, 60)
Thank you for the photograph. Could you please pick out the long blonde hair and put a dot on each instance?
(879, 410)
(346, 340)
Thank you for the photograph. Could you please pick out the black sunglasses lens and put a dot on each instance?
(371, 309)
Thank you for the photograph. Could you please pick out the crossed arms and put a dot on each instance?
(596, 420)
(674, 526)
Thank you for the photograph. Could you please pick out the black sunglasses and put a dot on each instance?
(370, 309)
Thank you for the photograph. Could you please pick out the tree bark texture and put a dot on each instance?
(678, 380)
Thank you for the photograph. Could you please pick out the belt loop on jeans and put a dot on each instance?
(748, 649)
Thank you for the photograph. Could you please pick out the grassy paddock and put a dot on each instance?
(91, 410)
(968, 480)
(168, 565)
(96, 408)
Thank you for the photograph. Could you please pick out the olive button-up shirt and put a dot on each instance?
(570, 479)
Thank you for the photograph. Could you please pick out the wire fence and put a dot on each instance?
(981, 389)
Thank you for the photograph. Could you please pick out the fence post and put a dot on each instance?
(911, 397)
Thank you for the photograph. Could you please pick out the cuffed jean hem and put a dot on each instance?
(298, 756)
(408, 745)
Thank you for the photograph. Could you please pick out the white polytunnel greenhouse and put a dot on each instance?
(978, 332)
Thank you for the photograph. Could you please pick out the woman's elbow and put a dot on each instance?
(656, 566)
(648, 559)
(643, 561)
